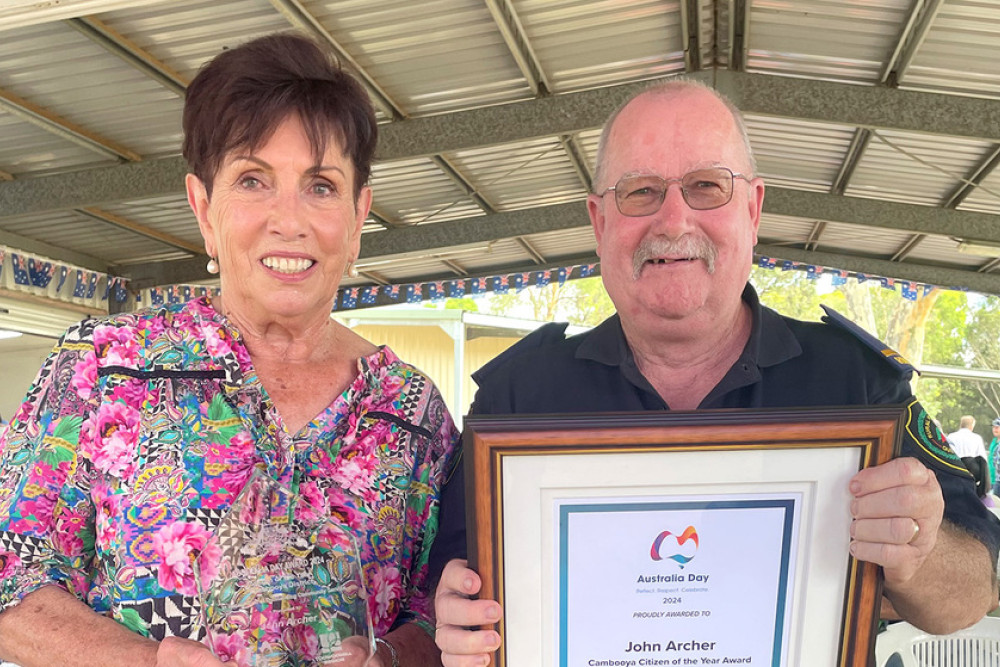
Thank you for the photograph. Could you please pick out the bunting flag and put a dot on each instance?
(435, 291)
(909, 290)
(543, 278)
(40, 273)
(456, 289)
(839, 278)
(813, 272)
(561, 274)
(520, 281)
(391, 291)
(501, 284)
(350, 298)
(888, 283)
(477, 285)
(788, 265)
(20, 269)
(413, 294)
(63, 272)
(862, 277)
(587, 270)
(370, 294)
(766, 263)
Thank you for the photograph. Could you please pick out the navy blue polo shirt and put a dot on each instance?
(786, 363)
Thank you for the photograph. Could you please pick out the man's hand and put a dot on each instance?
(456, 612)
(177, 652)
(897, 511)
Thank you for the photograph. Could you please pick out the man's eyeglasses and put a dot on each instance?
(703, 189)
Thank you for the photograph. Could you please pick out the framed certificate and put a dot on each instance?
(703, 538)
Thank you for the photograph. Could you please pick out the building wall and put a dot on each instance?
(431, 350)
(20, 360)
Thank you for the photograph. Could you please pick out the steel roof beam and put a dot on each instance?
(575, 155)
(55, 124)
(142, 230)
(908, 247)
(975, 177)
(517, 42)
(536, 257)
(120, 46)
(300, 17)
(573, 215)
(921, 17)
(820, 101)
(987, 283)
(691, 34)
(459, 179)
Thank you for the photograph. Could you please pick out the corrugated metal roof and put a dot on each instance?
(449, 59)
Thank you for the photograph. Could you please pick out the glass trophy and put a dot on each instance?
(280, 585)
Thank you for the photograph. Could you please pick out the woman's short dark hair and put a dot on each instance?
(241, 96)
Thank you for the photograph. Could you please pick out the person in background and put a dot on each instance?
(675, 212)
(968, 445)
(994, 457)
(141, 429)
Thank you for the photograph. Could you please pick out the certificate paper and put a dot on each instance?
(670, 581)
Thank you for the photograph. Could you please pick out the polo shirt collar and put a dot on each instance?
(771, 341)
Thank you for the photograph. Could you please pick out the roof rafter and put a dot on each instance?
(516, 39)
(120, 46)
(822, 101)
(573, 215)
(300, 17)
(56, 124)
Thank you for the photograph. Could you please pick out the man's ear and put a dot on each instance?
(755, 204)
(595, 209)
(197, 196)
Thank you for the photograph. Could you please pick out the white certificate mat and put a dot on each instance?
(675, 579)
(785, 514)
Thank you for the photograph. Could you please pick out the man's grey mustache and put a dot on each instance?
(687, 246)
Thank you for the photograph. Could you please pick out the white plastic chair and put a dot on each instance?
(903, 645)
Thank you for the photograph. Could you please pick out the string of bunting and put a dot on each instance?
(350, 298)
(909, 290)
(40, 276)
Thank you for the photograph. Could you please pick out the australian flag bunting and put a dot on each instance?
(501, 284)
(561, 274)
(350, 298)
(766, 263)
(20, 269)
(435, 291)
(813, 272)
(478, 285)
(414, 294)
(63, 272)
(909, 290)
(156, 296)
(456, 289)
(121, 294)
(888, 283)
(587, 270)
(92, 285)
(543, 278)
(391, 291)
(840, 278)
(368, 295)
(40, 272)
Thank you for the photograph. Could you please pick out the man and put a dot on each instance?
(675, 258)
(994, 457)
(969, 447)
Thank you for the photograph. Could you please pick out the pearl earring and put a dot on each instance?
(212, 266)
(352, 271)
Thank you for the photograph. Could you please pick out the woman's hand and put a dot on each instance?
(353, 653)
(177, 652)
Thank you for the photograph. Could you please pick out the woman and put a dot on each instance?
(142, 428)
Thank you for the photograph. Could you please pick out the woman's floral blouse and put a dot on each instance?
(140, 431)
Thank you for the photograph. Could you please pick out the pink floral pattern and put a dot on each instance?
(142, 429)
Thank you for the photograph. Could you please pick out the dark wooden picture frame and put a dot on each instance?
(492, 441)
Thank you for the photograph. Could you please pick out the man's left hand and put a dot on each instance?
(897, 511)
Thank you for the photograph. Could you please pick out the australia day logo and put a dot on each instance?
(679, 548)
